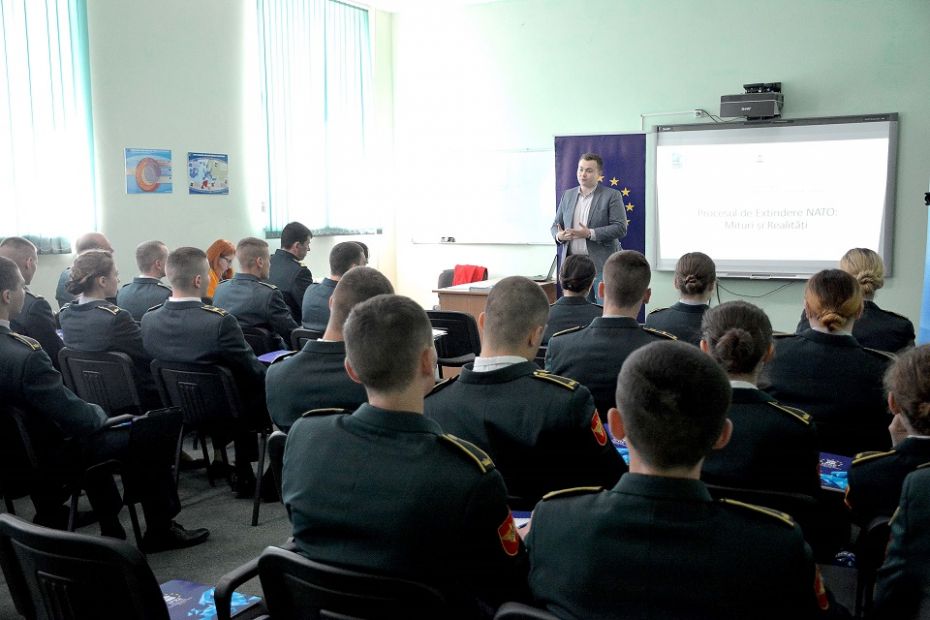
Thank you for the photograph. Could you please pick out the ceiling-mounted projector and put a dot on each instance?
(759, 101)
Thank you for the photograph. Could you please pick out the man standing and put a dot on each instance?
(35, 320)
(87, 241)
(590, 219)
(286, 271)
(315, 307)
(146, 290)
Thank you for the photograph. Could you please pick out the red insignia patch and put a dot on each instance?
(507, 532)
(598, 429)
(822, 601)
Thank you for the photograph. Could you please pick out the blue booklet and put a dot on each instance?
(186, 599)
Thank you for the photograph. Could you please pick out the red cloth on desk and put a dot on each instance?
(469, 273)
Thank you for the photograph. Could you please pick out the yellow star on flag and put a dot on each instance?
(629, 206)
(600, 178)
(625, 191)
(614, 181)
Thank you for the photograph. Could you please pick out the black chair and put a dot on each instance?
(519, 611)
(446, 276)
(208, 397)
(541, 356)
(461, 343)
(870, 550)
(261, 340)
(65, 576)
(300, 336)
(296, 587)
(276, 442)
(103, 378)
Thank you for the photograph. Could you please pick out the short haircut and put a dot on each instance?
(18, 249)
(364, 248)
(385, 337)
(695, 272)
(593, 157)
(88, 266)
(91, 241)
(909, 380)
(577, 273)
(184, 264)
(356, 286)
(626, 278)
(344, 256)
(738, 335)
(148, 252)
(294, 232)
(10, 277)
(515, 305)
(866, 267)
(673, 400)
(833, 297)
(249, 250)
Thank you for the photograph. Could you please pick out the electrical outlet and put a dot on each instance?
(699, 114)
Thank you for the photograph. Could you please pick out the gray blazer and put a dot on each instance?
(607, 218)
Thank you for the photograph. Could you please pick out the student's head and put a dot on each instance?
(833, 298)
(738, 335)
(907, 382)
(344, 256)
(94, 273)
(626, 279)
(92, 241)
(22, 252)
(695, 274)
(151, 257)
(514, 317)
(389, 344)
(253, 256)
(220, 255)
(673, 402)
(356, 286)
(188, 272)
(364, 249)
(866, 267)
(295, 238)
(12, 293)
(577, 274)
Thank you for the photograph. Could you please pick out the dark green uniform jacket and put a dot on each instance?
(875, 478)
(141, 294)
(292, 278)
(680, 319)
(568, 312)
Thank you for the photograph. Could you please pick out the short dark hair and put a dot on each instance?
(673, 400)
(364, 249)
(184, 264)
(515, 305)
(738, 335)
(694, 273)
(148, 252)
(87, 266)
(10, 277)
(593, 157)
(344, 256)
(577, 273)
(249, 249)
(17, 248)
(385, 337)
(356, 286)
(294, 232)
(626, 277)
(909, 380)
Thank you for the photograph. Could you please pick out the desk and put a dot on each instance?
(471, 298)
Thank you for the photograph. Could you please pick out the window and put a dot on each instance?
(315, 66)
(46, 130)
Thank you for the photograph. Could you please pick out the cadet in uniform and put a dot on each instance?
(593, 355)
(826, 372)
(773, 447)
(695, 278)
(876, 328)
(541, 429)
(315, 377)
(315, 306)
(254, 302)
(36, 319)
(146, 290)
(383, 490)
(657, 545)
(87, 241)
(875, 478)
(287, 273)
(573, 309)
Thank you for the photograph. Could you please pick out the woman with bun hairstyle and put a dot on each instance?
(773, 447)
(220, 255)
(695, 278)
(825, 371)
(876, 328)
(573, 309)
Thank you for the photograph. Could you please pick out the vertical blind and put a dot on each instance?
(46, 128)
(315, 63)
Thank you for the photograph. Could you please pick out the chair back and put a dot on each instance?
(297, 587)
(461, 343)
(206, 393)
(58, 575)
(445, 278)
(260, 340)
(105, 378)
(300, 336)
(541, 356)
(276, 442)
(519, 611)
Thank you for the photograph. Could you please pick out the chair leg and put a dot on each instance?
(225, 456)
(206, 457)
(177, 456)
(73, 510)
(257, 501)
(10, 508)
(136, 530)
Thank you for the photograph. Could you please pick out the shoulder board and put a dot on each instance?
(474, 453)
(67, 306)
(571, 491)
(214, 309)
(782, 334)
(659, 332)
(567, 331)
(33, 295)
(923, 465)
(658, 310)
(862, 457)
(323, 411)
(784, 517)
(268, 284)
(163, 285)
(155, 307)
(114, 310)
(801, 416)
(285, 357)
(442, 384)
(26, 340)
(883, 354)
(565, 382)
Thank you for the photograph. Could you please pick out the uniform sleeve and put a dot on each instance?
(40, 325)
(898, 583)
(279, 315)
(127, 337)
(43, 391)
(595, 460)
